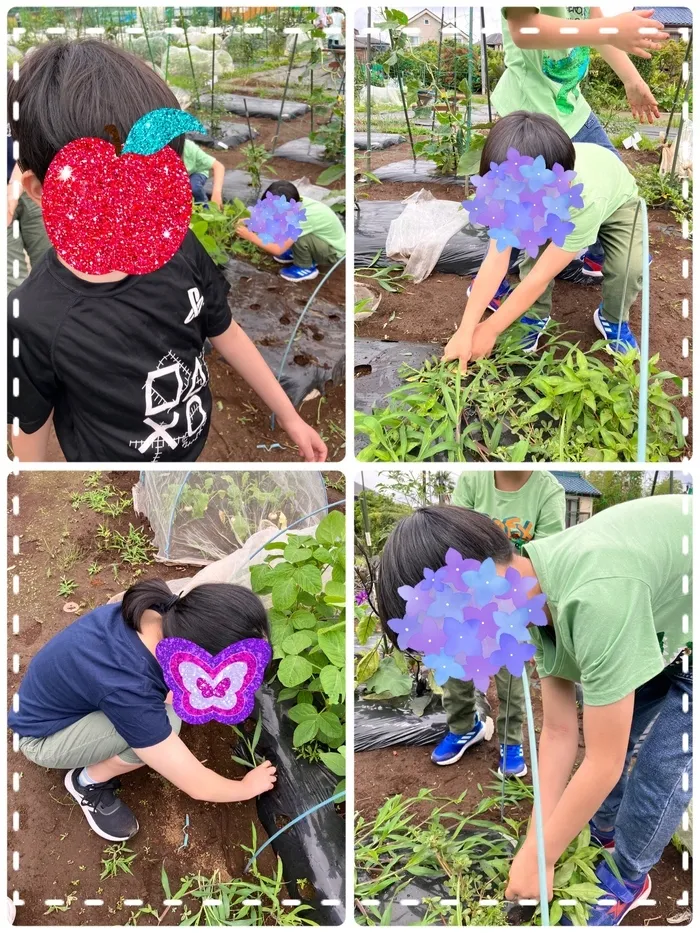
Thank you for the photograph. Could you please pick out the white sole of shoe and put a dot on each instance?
(590, 274)
(88, 815)
(283, 262)
(307, 278)
(646, 891)
(484, 735)
(521, 774)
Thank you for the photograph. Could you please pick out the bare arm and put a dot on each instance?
(177, 764)
(545, 32)
(217, 173)
(14, 189)
(272, 248)
(558, 740)
(31, 448)
(240, 352)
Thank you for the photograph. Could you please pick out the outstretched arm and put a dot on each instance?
(272, 248)
(31, 448)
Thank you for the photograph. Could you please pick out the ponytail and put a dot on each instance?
(213, 615)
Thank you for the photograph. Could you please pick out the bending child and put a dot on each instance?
(199, 164)
(117, 361)
(610, 199)
(525, 505)
(321, 243)
(618, 608)
(94, 699)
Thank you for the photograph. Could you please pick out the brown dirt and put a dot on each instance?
(381, 773)
(59, 855)
(431, 311)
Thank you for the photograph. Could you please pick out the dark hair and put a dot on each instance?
(422, 540)
(284, 189)
(213, 615)
(67, 90)
(532, 134)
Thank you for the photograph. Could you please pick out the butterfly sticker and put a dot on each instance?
(220, 687)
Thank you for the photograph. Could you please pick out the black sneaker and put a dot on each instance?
(105, 812)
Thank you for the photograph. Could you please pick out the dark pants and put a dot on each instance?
(197, 183)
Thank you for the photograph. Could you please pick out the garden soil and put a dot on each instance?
(431, 311)
(405, 770)
(59, 855)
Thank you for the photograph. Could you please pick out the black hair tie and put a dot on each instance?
(170, 603)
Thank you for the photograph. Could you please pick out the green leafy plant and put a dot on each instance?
(105, 500)
(249, 744)
(216, 229)
(587, 409)
(255, 162)
(391, 278)
(331, 134)
(452, 145)
(66, 587)
(94, 569)
(305, 578)
(665, 191)
(117, 858)
(134, 548)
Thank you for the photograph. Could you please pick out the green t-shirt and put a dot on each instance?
(615, 590)
(537, 509)
(196, 159)
(545, 80)
(607, 185)
(324, 223)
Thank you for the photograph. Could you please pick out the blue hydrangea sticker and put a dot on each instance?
(276, 220)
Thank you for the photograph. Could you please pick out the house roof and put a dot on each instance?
(496, 38)
(671, 15)
(575, 485)
(427, 12)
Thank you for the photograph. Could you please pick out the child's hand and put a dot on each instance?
(259, 780)
(523, 879)
(642, 102)
(218, 200)
(629, 39)
(483, 340)
(310, 444)
(459, 347)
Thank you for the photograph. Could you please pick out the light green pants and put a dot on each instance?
(614, 236)
(32, 239)
(459, 703)
(89, 740)
(310, 250)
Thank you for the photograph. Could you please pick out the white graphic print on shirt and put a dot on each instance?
(196, 304)
(168, 386)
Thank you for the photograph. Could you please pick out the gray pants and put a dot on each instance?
(89, 740)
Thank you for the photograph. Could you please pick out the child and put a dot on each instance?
(610, 200)
(544, 69)
(321, 244)
(525, 505)
(619, 600)
(117, 360)
(94, 700)
(198, 164)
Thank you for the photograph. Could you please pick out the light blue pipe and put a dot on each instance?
(282, 531)
(644, 352)
(539, 825)
(297, 819)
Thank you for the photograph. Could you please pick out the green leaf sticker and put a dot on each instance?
(153, 131)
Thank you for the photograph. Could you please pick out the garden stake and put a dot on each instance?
(678, 87)
(408, 122)
(213, 79)
(454, 64)
(148, 41)
(537, 804)
(505, 748)
(680, 124)
(485, 63)
(368, 106)
(298, 324)
(439, 65)
(470, 77)
(247, 118)
(284, 94)
(289, 825)
(189, 55)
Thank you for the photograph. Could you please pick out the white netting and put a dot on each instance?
(684, 159)
(388, 96)
(200, 517)
(179, 63)
(419, 235)
(207, 41)
(139, 45)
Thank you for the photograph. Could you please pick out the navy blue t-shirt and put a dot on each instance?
(97, 663)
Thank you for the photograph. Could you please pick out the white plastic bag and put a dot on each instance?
(420, 233)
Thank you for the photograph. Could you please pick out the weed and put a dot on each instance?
(250, 745)
(94, 569)
(106, 500)
(118, 858)
(391, 278)
(134, 548)
(663, 191)
(62, 908)
(67, 587)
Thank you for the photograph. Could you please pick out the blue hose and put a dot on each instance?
(282, 531)
(289, 825)
(537, 807)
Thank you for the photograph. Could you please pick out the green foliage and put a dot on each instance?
(134, 548)
(383, 513)
(331, 135)
(664, 191)
(66, 587)
(107, 500)
(391, 278)
(305, 578)
(447, 144)
(249, 744)
(588, 409)
(216, 229)
(117, 858)
(255, 162)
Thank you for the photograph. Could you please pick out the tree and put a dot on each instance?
(418, 489)
(616, 486)
(383, 514)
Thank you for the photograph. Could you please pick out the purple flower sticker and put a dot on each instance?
(519, 216)
(455, 566)
(512, 623)
(509, 189)
(535, 610)
(462, 637)
(480, 670)
(417, 599)
(487, 213)
(519, 586)
(432, 579)
(531, 241)
(485, 186)
(516, 160)
(512, 654)
(505, 239)
(276, 220)
(485, 583)
(447, 603)
(562, 176)
(444, 666)
(557, 230)
(404, 628)
(487, 628)
(429, 638)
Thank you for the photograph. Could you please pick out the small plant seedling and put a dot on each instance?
(94, 569)
(118, 858)
(250, 744)
(134, 548)
(62, 908)
(67, 587)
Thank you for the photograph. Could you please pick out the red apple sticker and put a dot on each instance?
(108, 208)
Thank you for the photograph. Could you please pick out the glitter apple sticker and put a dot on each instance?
(127, 209)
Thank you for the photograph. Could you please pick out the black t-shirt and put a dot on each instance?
(96, 663)
(120, 364)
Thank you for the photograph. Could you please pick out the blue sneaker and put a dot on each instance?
(285, 259)
(515, 761)
(616, 900)
(536, 327)
(504, 290)
(298, 274)
(602, 837)
(454, 746)
(623, 343)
